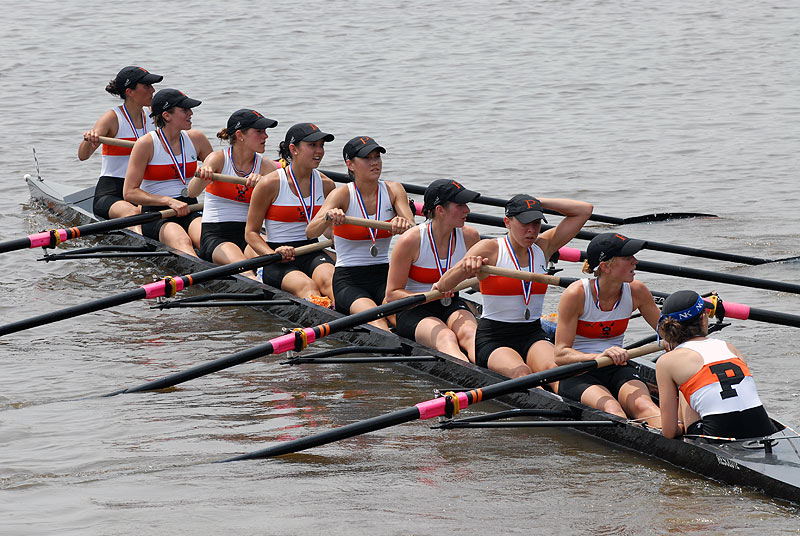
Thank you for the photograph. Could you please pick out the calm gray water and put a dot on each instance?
(635, 106)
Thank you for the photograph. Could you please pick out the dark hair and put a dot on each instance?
(676, 333)
(223, 135)
(112, 88)
(283, 151)
(158, 119)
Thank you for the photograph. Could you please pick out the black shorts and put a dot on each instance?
(746, 424)
(611, 377)
(353, 282)
(274, 273)
(408, 320)
(152, 229)
(107, 192)
(214, 234)
(493, 334)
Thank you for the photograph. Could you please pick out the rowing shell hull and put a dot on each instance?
(776, 473)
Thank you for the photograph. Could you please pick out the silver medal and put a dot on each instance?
(527, 314)
(185, 192)
(373, 250)
(446, 302)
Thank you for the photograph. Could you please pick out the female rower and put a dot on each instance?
(362, 253)
(225, 208)
(284, 202)
(592, 317)
(510, 339)
(161, 166)
(447, 325)
(704, 385)
(128, 121)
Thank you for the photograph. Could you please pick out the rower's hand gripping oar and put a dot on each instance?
(54, 237)
(296, 340)
(165, 287)
(447, 405)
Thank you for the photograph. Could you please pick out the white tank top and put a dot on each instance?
(285, 219)
(353, 242)
(115, 159)
(598, 330)
(724, 383)
(424, 271)
(503, 296)
(226, 202)
(162, 176)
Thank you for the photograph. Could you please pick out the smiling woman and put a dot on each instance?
(160, 167)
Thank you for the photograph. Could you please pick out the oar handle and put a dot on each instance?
(170, 212)
(525, 276)
(310, 248)
(437, 294)
(226, 178)
(114, 141)
(636, 352)
(364, 222)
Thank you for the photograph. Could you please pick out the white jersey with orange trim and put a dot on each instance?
(115, 159)
(285, 220)
(353, 242)
(224, 201)
(503, 296)
(598, 330)
(724, 383)
(162, 176)
(424, 272)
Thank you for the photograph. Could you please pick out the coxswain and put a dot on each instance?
(129, 121)
(284, 202)
(362, 253)
(225, 205)
(161, 166)
(593, 314)
(420, 258)
(704, 385)
(510, 339)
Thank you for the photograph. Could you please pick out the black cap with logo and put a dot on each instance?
(167, 99)
(247, 118)
(360, 147)
(525, 208)
(305, 132)
(131, 75)
(606, 246)
(441, 191)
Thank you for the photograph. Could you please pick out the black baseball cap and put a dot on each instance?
(131, 75)
(525, 208)
(606, 246)
(247, 118)
(167, 99)
(441, 191)
(360, 146)
(684, 305)
(305, 132)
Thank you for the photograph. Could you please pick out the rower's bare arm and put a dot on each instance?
(105, 126)
(201, 144)
(212, 164)
(334, 208)
(132, 191)
(401, 208)
(484, 252)
(264, 194)
(576, 213)
(644, 302)
(570, 307)
(667, 397)
(405, 252)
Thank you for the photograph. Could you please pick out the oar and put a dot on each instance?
(165, 287)
(54, 237)
(576, 255)
(116, 142)
(448, 404)
(298, 339)
(496, 221)
(498, 202)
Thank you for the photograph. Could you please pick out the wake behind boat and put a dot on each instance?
(771, 465)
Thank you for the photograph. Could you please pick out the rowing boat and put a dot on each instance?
(771, 465)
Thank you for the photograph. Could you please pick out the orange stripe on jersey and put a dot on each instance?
(234, 192)
(423, 275)
(113, 150)
(704, 376)
(289, 213)
(602, 330)
(496, 285)
(167, 172)
(356, 232)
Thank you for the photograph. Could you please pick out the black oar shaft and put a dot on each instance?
(774, 317)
